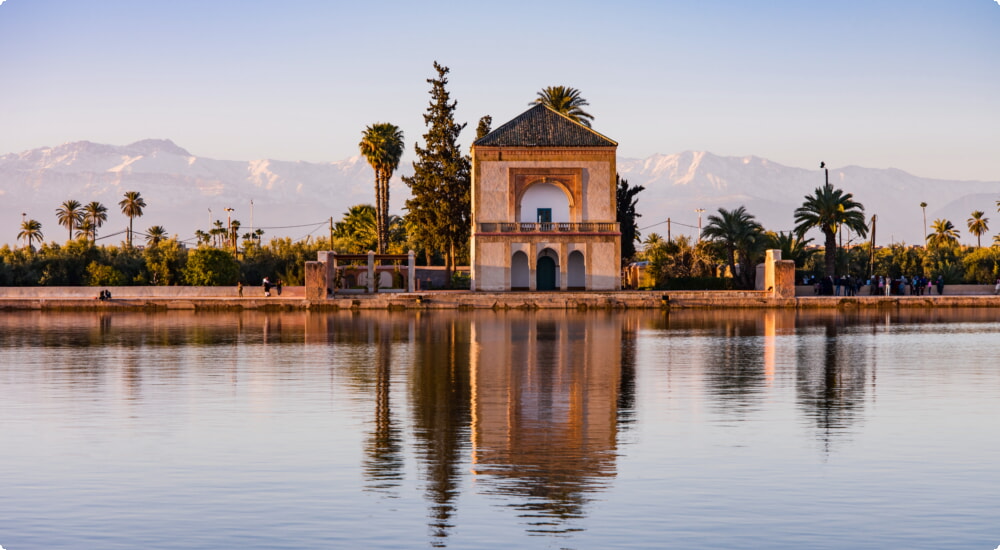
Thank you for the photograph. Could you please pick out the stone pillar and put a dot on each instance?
(563, 267)
(784, 279)
(779, 275)
(316, 280)
(332, 273)
(371, 272)
(412, 272)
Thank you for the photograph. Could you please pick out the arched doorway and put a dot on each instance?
(519, 271)
(546, 271)
(576, 271)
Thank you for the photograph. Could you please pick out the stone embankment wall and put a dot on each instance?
(949, 290)
(224, 298)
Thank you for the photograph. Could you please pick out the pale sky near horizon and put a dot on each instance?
(912, 84)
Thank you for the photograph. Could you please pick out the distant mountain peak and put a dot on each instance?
(153, 146)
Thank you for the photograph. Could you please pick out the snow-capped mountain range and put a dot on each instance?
(184, 192)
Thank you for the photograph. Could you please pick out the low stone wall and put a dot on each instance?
(141, 292)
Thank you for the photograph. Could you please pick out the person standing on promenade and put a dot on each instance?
(239, 288)
(267, 286)
(277, 287)
(940, 285)
(996, 289)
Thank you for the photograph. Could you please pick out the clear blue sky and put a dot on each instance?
(879, 83)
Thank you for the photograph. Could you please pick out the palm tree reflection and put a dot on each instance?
(440, 387)
(831, 380)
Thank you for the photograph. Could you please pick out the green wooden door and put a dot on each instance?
(545, 274)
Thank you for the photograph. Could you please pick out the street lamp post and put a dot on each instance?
(923, 206)
(229, 227)
(699, 211)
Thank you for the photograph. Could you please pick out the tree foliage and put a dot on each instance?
(132, 206)
(211, 267)
(626, 217)
(978, 226)
(943, 235)
(740, 235)
(484, 126)
(567, 101)
(440, 206)
(69, 215)
(827, 209)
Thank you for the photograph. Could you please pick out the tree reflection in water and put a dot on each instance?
(831, 377)
(440, 403)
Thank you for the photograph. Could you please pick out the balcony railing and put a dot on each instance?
(548, 227)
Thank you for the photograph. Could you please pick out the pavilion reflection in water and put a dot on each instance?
(545, 398)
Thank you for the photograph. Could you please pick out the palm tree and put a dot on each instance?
(217, 232)
(828, 209)
(567, 101)
(792, 247)
(358, 228)
(203, 238)
(84, 230)
(155, 234)
(943, 234)
(31, 231)
(739, 233)
(97, 213)
(978, 225)
(132, 206)
(382, 145)
(234, 231)
(69, 215)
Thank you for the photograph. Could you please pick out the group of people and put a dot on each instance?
(268, 285)
(848, 285)
(835, 286)
(917, 285)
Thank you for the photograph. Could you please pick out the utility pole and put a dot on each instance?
(699, 211)
(251, 219)
(668, 230)
(331, 233)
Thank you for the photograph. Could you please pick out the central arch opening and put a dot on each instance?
(547, 270)
(543, 203)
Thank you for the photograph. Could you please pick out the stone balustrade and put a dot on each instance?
(547, 227)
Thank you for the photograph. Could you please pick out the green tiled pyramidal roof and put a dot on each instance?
(540, 126)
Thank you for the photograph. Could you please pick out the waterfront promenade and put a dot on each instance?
(292, 298)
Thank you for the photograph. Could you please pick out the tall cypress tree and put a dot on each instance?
(627, 217)
(440, 207)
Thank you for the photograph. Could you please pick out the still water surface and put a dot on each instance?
(697, 429)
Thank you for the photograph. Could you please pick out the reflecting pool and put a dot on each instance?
(547, 429)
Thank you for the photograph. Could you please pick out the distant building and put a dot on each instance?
(543, 206)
